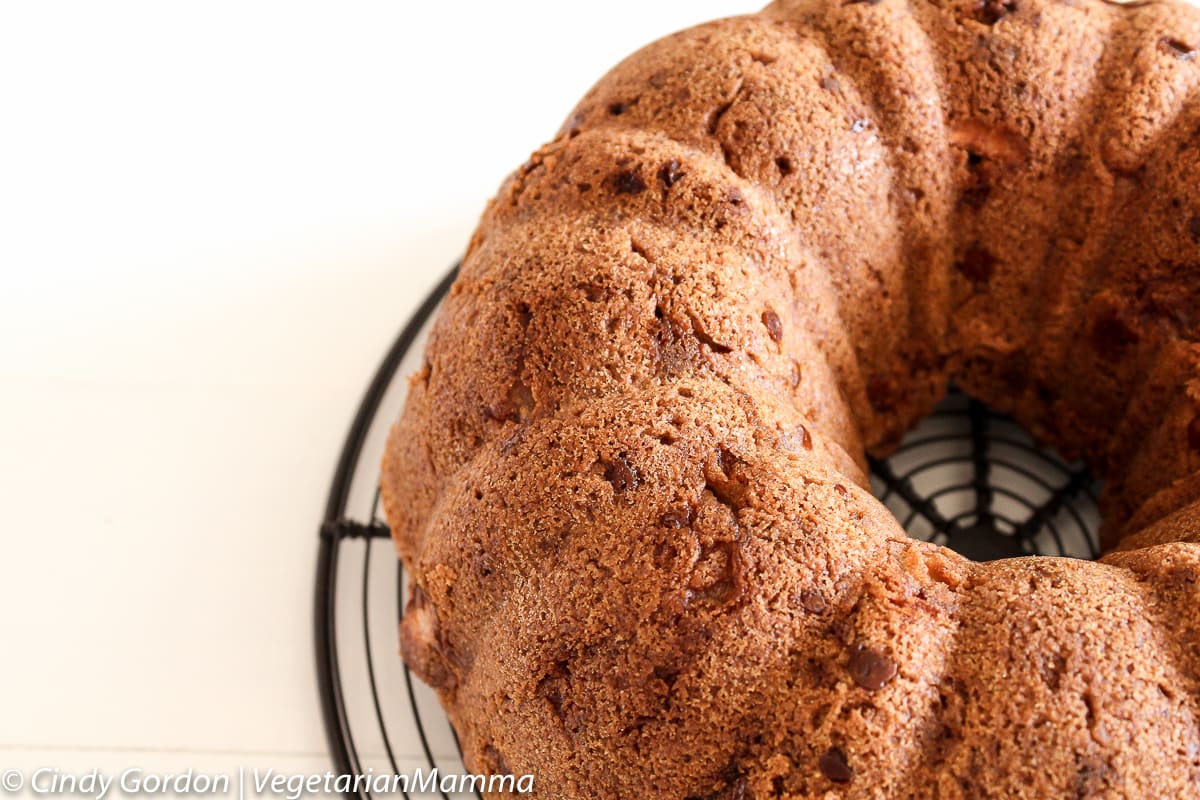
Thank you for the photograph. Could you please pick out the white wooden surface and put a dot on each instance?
(213, 219)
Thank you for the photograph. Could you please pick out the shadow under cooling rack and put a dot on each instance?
(966, 478)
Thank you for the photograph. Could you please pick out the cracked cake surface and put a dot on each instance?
(629, 479)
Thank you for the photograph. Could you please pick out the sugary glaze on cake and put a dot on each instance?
(628, 481)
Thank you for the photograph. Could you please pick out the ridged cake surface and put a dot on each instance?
(629, 478)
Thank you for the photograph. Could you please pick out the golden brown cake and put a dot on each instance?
(629, 479)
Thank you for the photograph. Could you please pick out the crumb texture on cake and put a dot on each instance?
(629, 478)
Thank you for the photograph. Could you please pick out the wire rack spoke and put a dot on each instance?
(968, 475)
(349, 529)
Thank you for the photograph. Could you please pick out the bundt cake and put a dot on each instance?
(629, 479)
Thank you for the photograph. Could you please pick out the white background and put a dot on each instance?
(213, 220)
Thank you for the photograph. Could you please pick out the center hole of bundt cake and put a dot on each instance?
(975, 481)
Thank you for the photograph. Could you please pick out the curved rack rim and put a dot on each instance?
(333, 708)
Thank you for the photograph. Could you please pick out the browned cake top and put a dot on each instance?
(629, 478)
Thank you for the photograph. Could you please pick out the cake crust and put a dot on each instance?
(629, 481)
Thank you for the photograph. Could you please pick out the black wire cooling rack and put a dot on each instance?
(967, 478)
